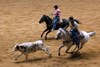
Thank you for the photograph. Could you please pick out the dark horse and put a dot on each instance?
(49, 24)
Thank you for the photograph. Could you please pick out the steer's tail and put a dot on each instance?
(91, 34)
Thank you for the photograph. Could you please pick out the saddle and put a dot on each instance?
(60, 21)
(79, 36)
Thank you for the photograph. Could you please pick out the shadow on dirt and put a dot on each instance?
(62, 59)
(32, 60)
(85, 56)
(77, 57)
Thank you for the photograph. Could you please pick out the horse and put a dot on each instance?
(49, 24)
(68, 40)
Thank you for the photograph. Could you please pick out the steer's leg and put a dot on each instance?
(47, 49)
(26, 55)
(60, 49)
(43, 32)
(18, 56)
(44, 49)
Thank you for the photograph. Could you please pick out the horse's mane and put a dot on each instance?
(63, 30)
(48, 17)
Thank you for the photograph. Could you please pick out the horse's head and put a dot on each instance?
(42, 19)
(60, 33)
(47, 19)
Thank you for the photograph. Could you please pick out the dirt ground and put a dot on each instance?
(19, 23)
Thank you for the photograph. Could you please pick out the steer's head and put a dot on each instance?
(16, 47)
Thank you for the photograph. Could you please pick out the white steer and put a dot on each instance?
(29, 47)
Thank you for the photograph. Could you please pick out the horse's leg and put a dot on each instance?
(47, 34)
(60, 49)
(74, 48)
(79, 48)
(18, 56)
(68, 49)
(43, 32)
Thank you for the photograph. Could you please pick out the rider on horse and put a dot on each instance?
(57, 16)
(74, 29)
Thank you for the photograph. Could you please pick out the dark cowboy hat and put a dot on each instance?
(71, 18)
(56, 6)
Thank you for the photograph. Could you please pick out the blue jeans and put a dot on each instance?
(75, 32)
(55, 21)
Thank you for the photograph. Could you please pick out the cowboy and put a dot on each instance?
(74, 29)
(57, 16)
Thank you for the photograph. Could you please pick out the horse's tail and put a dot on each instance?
(91, 34)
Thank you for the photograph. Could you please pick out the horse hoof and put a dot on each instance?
(75, 53)
(15, 59)
(41, 36)
(45, 38)
(66, 52)
(50, 55)
(59, 54)
(72, 52)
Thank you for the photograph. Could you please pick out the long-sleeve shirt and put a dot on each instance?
(74, 26)
(57, 12)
